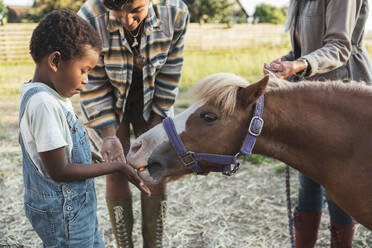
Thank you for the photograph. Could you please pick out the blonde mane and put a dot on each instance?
(221, 89)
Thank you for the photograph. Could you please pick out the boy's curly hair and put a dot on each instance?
(63, 31)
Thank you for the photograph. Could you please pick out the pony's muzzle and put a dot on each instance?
(138, 155)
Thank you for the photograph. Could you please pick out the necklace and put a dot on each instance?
(135, 36)
(138, 59)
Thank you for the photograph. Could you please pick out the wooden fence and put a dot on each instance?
(14, 38)
(214, 36)
(14, 42)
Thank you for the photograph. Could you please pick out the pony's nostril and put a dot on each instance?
(136, 147)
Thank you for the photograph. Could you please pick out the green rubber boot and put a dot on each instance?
(121, 217)
(153, 214)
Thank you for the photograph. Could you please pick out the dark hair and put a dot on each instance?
(116, 4)
(63, 31)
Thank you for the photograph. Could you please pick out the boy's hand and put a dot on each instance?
(96, 158)
(131, 174)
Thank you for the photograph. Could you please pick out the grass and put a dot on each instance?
(197, 64)
(245, 62)
(11, 77)
(369, 50)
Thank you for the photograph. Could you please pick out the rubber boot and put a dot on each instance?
(153, 214)
(121, 217)
(306, 228)
(342, 235)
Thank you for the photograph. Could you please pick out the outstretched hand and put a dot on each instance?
(112, 151)
(132, 176)
(96, 158)
(284, 69)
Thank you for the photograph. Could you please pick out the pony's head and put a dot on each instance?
(216, 123)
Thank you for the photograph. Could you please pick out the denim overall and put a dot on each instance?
(62, 214)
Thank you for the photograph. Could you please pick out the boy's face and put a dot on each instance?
(133, 14)
(72, 75)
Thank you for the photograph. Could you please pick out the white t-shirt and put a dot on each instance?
(43, 125)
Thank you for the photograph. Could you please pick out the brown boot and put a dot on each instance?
(342, 235)
(121, 217)
(306, 228)
(153, 214)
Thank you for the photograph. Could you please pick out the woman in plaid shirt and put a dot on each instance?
(134, 83)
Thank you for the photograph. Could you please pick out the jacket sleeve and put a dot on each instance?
(339, 22)
(97, 100)
(166, 81)
(289, 56)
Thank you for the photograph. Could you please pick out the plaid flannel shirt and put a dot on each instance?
(162, 43)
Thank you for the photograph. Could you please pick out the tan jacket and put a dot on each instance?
(331, 37)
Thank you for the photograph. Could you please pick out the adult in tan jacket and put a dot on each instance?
(327, 44)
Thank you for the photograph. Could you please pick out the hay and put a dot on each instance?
(242, 211)
(245, 210)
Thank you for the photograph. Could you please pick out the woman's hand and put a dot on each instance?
(284, 69)
(112, 150)
(131, 174)
(268, 67)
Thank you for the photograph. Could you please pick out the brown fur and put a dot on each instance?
(323, 129)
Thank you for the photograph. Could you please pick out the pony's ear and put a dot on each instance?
(250, 94)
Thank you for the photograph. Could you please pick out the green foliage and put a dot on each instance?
(239, 16)
(3, 11)
(279, 169)
(183, 105)
(255, 159)
(43, 7)
(211, 11)
(266, 13)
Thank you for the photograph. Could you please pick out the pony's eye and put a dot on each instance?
(209, 116)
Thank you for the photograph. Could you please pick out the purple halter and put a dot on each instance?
(190, 159)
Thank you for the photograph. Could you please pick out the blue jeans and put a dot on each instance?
(310, 199)
(62, 214)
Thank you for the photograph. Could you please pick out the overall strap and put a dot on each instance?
(25, 99)
(33, 91)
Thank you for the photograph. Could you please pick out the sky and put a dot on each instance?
(248, 4)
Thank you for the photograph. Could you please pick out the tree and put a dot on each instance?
(3, 12)
(211, 11)
(266, 13)
(41, 8)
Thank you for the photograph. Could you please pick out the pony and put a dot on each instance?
(322, 129)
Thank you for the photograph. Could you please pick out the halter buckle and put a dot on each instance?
(255, 127)
(188, 159)
(235, 167)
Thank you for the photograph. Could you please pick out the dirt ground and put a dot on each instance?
(245, 210)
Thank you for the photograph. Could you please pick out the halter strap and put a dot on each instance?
(190, 159)
(255, 128)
